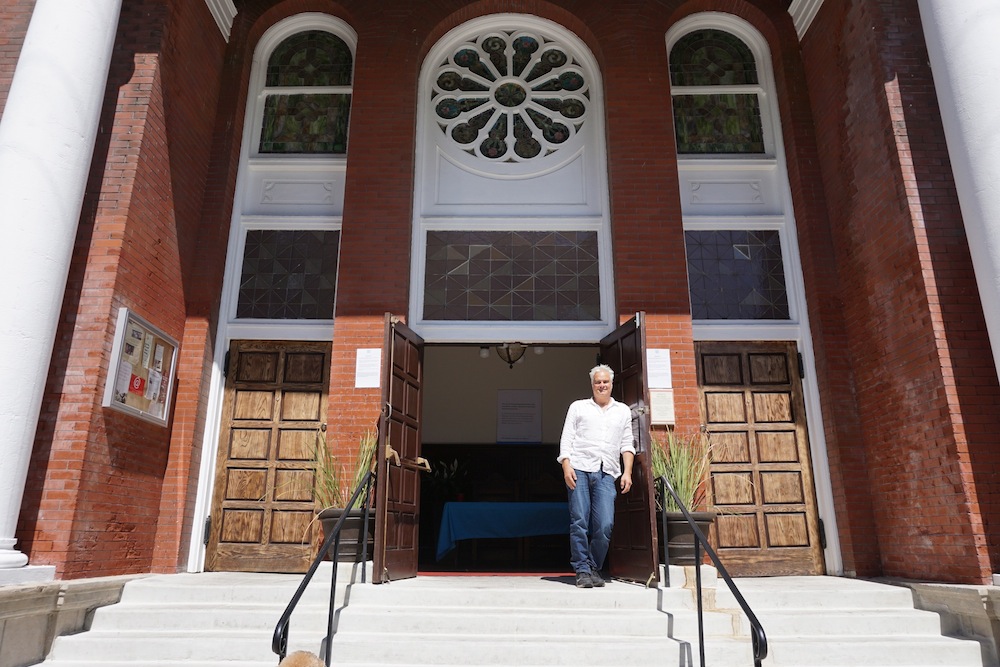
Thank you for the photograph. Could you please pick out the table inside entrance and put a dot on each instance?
(463, 521)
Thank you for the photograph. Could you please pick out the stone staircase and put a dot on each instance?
(196, 620)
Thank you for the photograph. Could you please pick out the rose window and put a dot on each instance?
(510, 97)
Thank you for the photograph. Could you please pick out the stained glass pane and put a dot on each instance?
(289, 275)
(512, 276)
(305, 124)
(510, 98)
(736, 275)
(711, 58)
(718, 124)
(312, 58)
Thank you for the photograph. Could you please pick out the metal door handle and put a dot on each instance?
(419, 463)
(391, 454)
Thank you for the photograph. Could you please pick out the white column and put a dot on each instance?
(961, 41)
(47, 134)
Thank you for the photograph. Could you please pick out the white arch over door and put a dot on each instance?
(558, 184)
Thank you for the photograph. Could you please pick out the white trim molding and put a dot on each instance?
(803, 12)
(224, 11)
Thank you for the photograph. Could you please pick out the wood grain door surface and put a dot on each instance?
(632, 555)
(397, 499)
(761, 476)
(274, 411)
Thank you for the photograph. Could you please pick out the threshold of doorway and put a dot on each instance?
(491, 573)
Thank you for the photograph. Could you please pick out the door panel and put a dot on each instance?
(754, 413)
(263, 507)
(633, 553)
(397, 500)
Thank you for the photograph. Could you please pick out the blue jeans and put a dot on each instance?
(591, 517)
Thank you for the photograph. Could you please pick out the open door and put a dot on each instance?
(633, 551)
(397, 494)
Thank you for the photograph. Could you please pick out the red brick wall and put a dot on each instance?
(892, 304)
(14, 17)
(92, 503)
(799, 98)
(192, 56)
(916, 338)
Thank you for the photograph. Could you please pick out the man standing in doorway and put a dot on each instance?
(595, 449)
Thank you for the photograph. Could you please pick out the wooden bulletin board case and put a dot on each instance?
(142, 371)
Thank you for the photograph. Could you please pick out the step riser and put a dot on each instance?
(889, 598)
(847, 625)
(208, 647)
(911, 654)
(564, 625)
(572, 598)
(612, 652)
(191, 595)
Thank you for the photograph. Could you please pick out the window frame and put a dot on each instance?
(773, 162)
(252, 161)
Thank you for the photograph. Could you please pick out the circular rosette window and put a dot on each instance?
(510, 96)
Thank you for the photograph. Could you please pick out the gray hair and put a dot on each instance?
(602, 367)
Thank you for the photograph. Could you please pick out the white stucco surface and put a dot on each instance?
(47, 135)
(960, 38)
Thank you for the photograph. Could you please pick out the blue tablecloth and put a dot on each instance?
(462, 521)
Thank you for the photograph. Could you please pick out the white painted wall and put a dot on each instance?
(960, 41)
(460, 389)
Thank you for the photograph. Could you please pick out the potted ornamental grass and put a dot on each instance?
(334, 484)
(684, 460)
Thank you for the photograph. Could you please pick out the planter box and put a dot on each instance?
(680, 536)
(350, 533)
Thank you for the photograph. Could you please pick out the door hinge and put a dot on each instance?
(208, 529)
(225, 366)
(822, 533)
(802, 366)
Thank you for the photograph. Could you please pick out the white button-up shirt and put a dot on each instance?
(593, 438)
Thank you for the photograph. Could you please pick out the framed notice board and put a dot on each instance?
(141, 374)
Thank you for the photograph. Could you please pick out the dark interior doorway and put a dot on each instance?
(464, 440)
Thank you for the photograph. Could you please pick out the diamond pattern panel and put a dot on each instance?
(736, 275)
(512, 276)
(289, 275)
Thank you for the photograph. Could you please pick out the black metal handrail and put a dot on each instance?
(757, 636)
(279, 642)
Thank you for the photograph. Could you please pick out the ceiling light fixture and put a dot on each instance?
(511, 353)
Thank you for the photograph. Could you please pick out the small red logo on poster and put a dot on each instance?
(137, 385)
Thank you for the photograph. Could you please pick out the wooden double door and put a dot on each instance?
(761, 475)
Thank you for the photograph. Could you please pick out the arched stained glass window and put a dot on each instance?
(311, 58)
(307, 121)
(716, 96)
(711, 58)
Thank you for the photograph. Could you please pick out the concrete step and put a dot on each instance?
(480, 650)
(441, 621)
(517, 593)
(911, 651)
(228, 619)
(835, 621)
